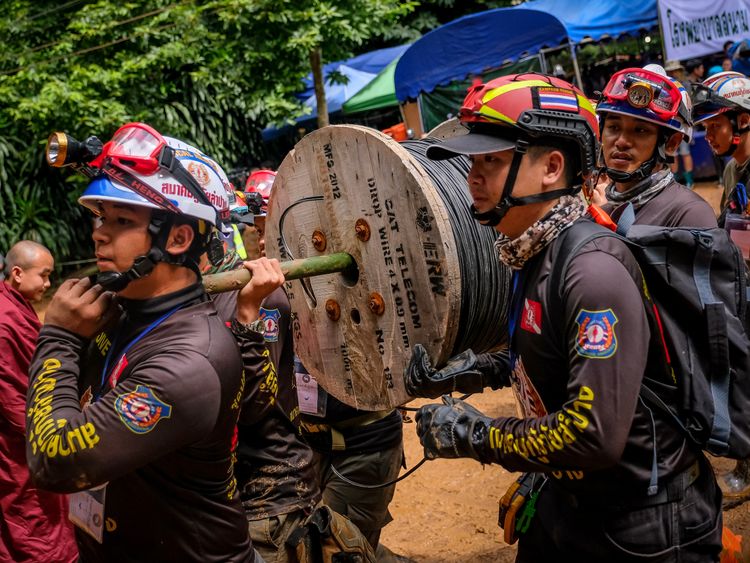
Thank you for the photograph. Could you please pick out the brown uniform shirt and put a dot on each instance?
(155, 426)
(674, 206)
(275, 469)
(578, 384)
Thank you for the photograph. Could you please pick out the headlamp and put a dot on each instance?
(64, 150)
(640, 95)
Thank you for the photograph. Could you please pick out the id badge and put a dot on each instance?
(86, 510)
(311, 398)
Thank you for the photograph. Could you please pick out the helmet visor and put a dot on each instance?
(136, 146)
(708, 102)
(644, 89)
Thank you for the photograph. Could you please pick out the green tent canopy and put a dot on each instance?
(380, 93)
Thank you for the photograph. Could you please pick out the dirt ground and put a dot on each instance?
(447, 510)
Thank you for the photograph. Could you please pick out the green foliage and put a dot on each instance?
(210, 72)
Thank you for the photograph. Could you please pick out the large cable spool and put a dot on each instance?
(426, 272)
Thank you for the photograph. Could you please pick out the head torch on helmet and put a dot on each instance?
(644, 89)
(64, 150)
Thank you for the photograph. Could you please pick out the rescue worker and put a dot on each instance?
(637, 143)
(616, 481)
(722, 106)
(136, 384)
(364, 448)
(276, 473)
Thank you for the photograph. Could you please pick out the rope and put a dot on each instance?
(485, 283)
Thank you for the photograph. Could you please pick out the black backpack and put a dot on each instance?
(697, 281)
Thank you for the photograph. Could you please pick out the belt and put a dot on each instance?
(337, 438)
(672, 491)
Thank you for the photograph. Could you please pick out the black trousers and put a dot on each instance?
(685, 528)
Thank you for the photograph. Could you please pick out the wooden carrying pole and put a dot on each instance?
(292, 269)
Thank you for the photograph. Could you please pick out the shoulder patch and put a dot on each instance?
(270, 318)
(141, 409)
(596, 334)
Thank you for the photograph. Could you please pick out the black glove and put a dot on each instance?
(454, 429)
(466, 373)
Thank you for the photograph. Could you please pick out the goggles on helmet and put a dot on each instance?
(139, 149)
(135, 147)
(707, 101)
(644, 89)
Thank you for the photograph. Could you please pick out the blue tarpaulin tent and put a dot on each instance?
(596, 19)
(372, 62)
(358, 71)
(473, 44)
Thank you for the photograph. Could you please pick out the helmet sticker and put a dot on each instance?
(556, 99)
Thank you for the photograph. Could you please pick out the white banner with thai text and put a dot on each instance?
(693, 28)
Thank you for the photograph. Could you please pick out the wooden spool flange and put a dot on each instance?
(379, 205)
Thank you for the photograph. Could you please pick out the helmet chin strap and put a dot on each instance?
(143, 265)
(737, 133)
(493, 217)
(647, 167)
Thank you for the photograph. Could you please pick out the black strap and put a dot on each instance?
(144, 190)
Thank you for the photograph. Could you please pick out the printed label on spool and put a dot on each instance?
(330, 163)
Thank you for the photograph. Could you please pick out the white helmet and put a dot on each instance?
(136, 152)
(141, 167)
(720, 93)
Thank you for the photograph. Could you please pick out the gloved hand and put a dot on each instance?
(453, 429)
(466, 373)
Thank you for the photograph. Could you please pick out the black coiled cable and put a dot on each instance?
(485, 283)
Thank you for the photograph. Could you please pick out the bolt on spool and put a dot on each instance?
(333, 310)
(376, 303)
(319, 240)
(362, 229)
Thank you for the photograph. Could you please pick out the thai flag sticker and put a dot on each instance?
(558, 99)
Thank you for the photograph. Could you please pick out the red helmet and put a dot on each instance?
(510, 113)
(530, 105)
(261, 181)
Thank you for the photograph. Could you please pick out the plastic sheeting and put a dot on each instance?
(596, 19)
(380, 93)
(473, 44)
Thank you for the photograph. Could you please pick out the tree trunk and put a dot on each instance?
(316, 57)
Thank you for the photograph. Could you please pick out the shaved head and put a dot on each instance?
(25, 254)
(28, 265)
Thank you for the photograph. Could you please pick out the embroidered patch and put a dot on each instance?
(596, 334)
(141, 409)
(531, 320)
(558, 99)
(270, 318)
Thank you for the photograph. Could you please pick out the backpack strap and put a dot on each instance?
(718, 341)
(569, 243)
(627, 219)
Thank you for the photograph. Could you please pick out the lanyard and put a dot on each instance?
(515, 312)
(145, 331)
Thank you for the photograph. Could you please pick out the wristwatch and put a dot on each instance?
(251, 330)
